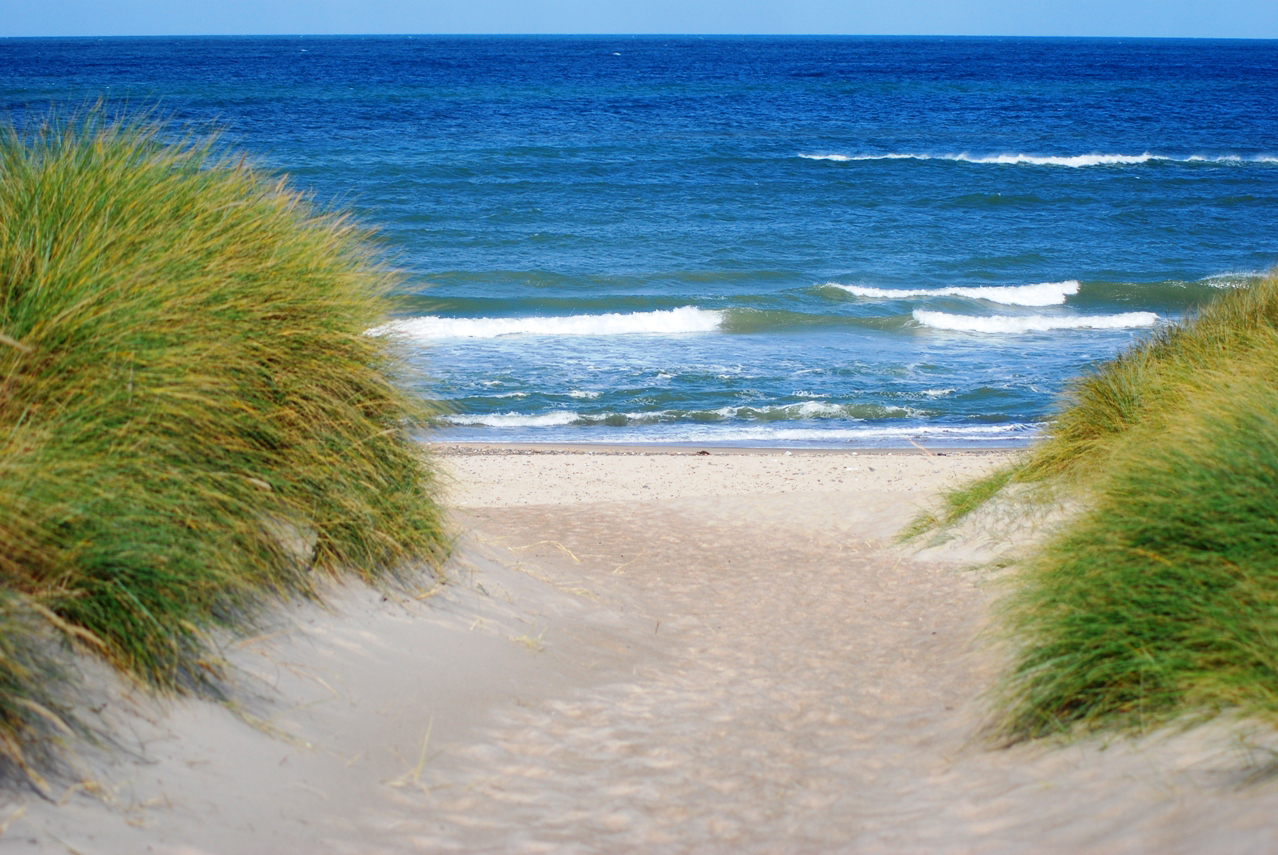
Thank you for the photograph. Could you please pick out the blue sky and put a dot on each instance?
(1175, 18)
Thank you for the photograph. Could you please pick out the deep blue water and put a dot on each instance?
(747, 240)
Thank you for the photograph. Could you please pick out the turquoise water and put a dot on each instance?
(752, 241)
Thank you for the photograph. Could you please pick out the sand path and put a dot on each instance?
(821, 693)
(659, 652)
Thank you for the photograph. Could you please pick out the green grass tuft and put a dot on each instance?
(192, 418)
(1159, 598)
(958, 503)
(1153, 382)
(1162, 599)
(1144, 390)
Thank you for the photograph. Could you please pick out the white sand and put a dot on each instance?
(638, 651)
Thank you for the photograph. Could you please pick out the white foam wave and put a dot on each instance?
(1232, 280)
(664, 321)
(1233, 158)
(809, 409)
(1032, 323)
(1038, 294)
(783, 432)
(975, 433)
(803, 411)
(1073, 161)
(555, 419)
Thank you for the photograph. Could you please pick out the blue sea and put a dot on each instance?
(830, 242)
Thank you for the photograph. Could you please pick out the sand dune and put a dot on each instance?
(650, 651)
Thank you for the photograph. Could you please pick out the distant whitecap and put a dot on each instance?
(1076, 161)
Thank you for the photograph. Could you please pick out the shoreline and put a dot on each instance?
(447, 447)
(895, 484)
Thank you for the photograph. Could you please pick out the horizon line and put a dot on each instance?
(655, 35)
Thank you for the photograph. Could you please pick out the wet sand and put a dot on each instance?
(653, 651)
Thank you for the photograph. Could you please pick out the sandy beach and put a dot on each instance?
(640, 649)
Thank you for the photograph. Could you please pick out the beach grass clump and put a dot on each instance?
(1156, 596)
(1162, 598)
(193, 420)
(1152, 383)
(1147, 387)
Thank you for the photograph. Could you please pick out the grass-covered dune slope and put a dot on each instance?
(192, 419)
(1159, 598)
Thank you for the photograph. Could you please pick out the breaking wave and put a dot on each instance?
(1032, 323)
(555, 419)
(687, 319)
(803, 411)
(835, 433)
(1040, 294)
(1072, 161)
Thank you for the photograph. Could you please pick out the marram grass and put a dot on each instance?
(192, 418)
(1146, 387)
(1154, 382)
(958, 503)
(1158, 600)
(1162, 599)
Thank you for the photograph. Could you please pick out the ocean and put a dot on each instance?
(817, 242)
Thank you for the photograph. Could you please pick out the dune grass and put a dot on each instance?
(192, 419)
(958, 503)
(1150, 385)
(1158, 600)
(1162, 598)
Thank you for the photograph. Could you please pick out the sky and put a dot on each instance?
(1145, 18)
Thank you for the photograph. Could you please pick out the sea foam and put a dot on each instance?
(1233, 279)
(687, 319)
(972, 433)
(1032, 323)
(802, 411)
(736, 429)
(863, 435)
(835, 433)
(554, 419)
(812, 410)
(1039, 294)
(1073, 161)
